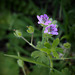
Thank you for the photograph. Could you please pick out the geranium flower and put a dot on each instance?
(43, 19)
(51, 29)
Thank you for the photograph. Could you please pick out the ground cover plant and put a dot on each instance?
(37, 37)
(47, 51)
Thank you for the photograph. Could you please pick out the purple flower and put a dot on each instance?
(51, 29)
(43, 19)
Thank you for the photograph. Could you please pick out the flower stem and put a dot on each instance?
(51, 62)
(32, 38)
(43, 35)
(51, 65)
(23, 70)
(28, 42)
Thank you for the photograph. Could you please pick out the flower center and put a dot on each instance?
(44, 19)
(51, 29)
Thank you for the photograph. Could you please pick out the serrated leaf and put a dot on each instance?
(59, 50)
(40, 71)
(55, 43)
(46, 44)
(66, 71)
(39, 45)
(35, 54)
(55, 54)
(40, 57)
(56, 72)
(43, 59)
(46, 50)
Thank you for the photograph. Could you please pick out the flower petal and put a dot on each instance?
(46, 31)
(38, 17)
(54, 33)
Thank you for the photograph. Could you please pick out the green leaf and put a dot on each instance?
(28, 60)
(66, 71)
(40, 57)
(46, 44)
(35, 54)
(8, 66)
(55, 54)
(43, 59)
(46, 50)
(59, 50)
(56, 72)
(39, 45)
(55, 43)
(40, 71)
(64, 37)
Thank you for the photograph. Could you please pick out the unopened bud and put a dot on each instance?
(30, 29)
(20, 63)
(17, 33)
(67, 45)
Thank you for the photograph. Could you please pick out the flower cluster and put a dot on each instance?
(51, 29)
(43, 19)
(51, 25)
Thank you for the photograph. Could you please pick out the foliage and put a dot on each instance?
(15, 14)
(8, 66)
(64, 71)
(40, 70)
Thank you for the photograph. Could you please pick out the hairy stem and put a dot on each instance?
(51, 62)
(23, 70)
(43, 35)
(28, 42)
(32, 38)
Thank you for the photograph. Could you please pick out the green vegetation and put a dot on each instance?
(21, 15)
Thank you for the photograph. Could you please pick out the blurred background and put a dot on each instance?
(18, 14)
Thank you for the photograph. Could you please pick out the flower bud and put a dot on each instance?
(20, 63)
(67, 45)
(17, 33)
(30, 29)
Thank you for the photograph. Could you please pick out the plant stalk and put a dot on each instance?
(32, 38)
(51, 62)
(28, 42)
(23, 70)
